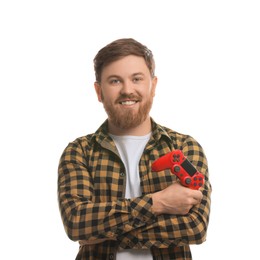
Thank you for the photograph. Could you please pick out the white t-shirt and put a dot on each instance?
(131, 149)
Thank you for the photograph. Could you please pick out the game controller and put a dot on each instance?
(181, 167)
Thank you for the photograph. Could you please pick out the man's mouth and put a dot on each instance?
(128, 102)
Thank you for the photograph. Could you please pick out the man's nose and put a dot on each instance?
(127, 87)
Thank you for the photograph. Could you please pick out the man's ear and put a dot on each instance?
(154, 84)
(98, 91)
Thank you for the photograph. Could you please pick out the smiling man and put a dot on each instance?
(110, 200)
(126, 89)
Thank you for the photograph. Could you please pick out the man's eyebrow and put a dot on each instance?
(138, 73)
(113, 76)
(132, 75)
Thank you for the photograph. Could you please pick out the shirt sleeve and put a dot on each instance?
(83, 217)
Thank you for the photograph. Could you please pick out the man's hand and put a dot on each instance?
(175, 199)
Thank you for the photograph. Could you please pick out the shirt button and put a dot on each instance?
(111, 256)
(122, 174)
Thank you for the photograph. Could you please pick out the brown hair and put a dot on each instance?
(119, 49)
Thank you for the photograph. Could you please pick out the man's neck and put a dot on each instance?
(143, 129)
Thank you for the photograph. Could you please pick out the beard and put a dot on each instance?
(127, 118)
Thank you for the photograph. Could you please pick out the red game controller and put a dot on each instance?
(181, 167)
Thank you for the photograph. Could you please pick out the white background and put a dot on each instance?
(208, 64)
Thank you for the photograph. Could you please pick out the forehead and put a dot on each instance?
(126, 66)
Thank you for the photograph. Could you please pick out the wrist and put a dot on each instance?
(157, 206)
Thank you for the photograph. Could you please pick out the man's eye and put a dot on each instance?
(114, 81)
(137, 79)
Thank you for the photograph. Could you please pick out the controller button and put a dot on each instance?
(188, 181)
(177, 168)
(176, 157)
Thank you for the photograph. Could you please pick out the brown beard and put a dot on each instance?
(127, 119)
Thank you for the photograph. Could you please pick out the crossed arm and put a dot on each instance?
(175, 214)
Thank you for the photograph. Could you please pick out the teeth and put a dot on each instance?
(128, 103)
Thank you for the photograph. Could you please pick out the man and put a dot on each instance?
(110, 200)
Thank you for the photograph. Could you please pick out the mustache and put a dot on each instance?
(128, 96)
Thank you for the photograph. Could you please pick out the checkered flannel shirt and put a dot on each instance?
(91, 187)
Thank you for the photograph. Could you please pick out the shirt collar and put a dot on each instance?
(102, 137)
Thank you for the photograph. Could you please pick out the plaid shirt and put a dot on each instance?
(91, 187)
